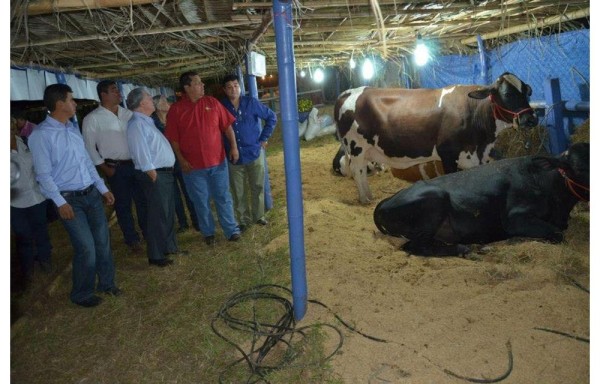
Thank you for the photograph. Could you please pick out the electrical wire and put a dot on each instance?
(275, 344)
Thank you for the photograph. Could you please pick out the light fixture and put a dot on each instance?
(303, 73)
(352, 63)
(319, 75)
(367, 69)
(421, 52)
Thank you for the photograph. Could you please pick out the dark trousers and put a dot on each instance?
(179, 208)
(160, 231)
(126, 188)
(31, 232)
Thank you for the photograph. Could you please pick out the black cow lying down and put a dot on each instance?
(519, 197)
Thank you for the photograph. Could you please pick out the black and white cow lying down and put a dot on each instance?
(519, 197)
(402, 128)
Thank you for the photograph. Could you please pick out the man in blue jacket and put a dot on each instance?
(247, 176)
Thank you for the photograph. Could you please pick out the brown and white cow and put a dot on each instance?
(456, 125)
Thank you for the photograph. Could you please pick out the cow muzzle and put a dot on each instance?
(528, 120)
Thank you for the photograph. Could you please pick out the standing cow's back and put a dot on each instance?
(406, 127)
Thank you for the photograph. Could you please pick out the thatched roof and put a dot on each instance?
(153, 41)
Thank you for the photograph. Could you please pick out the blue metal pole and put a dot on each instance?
(286, 66)
(240, 75)
(253, 91)
(252, 87)
(554, 116)
(483, 74)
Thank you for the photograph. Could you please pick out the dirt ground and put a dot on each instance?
(476, 317)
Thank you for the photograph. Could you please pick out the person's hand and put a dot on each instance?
(107, 170)
(152, 175)
(234, 155)
(66, 212)
(185, 166)
(109, 199)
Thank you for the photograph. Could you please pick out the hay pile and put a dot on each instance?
(582, 133)
(514, 142)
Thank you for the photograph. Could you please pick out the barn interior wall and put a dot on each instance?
(565, 56)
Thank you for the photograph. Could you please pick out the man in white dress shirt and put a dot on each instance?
(105, 135)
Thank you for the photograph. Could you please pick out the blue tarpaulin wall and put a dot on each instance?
(565, 56)
(29, 84)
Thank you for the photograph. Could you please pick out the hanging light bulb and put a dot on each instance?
(303, 73)
(367, 69)
(352, 63)
(421, 52)
(319, 75)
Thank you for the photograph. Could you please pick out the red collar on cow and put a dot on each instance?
(572, 184)
(500, 112)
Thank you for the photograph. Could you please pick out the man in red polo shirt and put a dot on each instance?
(195, 127)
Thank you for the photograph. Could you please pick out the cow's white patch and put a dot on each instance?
(514, 80)
(486, 153)
(350, 102)
(375, 153)
(445, 91)
(467, 160)
(423, 171)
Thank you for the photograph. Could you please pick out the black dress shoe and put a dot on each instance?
(114, 291)
(261, 222)
(90, 302)
(209, 240)
(235, 237)
(160, 262)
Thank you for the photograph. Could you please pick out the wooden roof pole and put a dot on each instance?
(42, 7)
(534, 24)
(142, 32)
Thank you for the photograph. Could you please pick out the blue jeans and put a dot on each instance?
(31, 234)
(90, 239)
(212, 183)
(125, 188)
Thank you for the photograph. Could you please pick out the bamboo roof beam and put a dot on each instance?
(142, 32)
(137, 62)
(42, 7)
(537, 23)
(160, 68)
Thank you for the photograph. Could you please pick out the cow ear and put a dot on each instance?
(480, 93)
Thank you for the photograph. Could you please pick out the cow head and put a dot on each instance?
(574, 167)
(510, 100)
(577, 170)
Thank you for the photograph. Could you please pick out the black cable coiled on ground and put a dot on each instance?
(269, 337)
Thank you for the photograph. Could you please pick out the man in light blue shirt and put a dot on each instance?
(67, 175)
(152, 155)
